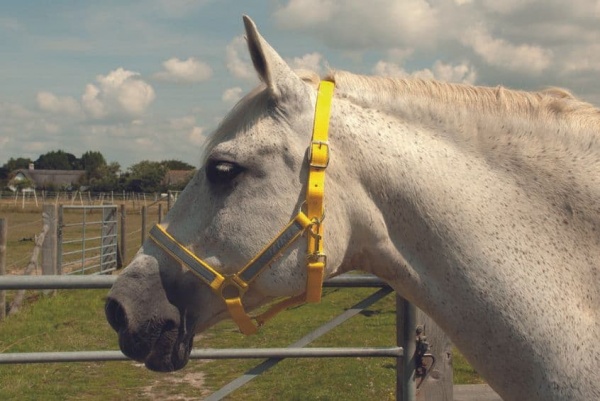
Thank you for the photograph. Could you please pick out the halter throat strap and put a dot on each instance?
(231, 288)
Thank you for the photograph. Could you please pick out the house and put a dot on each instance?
(176, 178)
(46, 179)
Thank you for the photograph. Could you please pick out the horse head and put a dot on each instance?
(238, 222)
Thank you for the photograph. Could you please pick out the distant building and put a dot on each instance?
(177, 177)
(57, 179)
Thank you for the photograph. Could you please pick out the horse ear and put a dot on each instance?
(271, 68)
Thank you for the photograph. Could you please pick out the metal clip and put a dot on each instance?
(421, 368)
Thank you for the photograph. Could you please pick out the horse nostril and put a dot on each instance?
(115, 314)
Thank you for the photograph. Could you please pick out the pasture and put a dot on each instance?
(73, 320)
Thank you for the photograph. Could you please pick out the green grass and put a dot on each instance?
(74, 320)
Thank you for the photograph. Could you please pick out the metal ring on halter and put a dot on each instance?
(314, 220)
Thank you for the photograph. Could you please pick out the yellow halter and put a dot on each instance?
(231, 288)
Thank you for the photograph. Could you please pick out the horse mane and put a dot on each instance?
(387, 94)
(551, 103)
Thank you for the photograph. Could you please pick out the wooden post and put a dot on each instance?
(143, 224)
(31, 266)
(3, 240)
(49, 246)
(439, 383)
(123, 234)
(438, 386)
(160, 213)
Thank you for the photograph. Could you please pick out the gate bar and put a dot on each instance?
(233, 353)
(61, 282)
(303, 342)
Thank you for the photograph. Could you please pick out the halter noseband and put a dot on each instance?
(231, 288)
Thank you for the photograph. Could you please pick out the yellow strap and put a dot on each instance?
(240, 317)
(315, 192)
(319, 152)
(280, 306)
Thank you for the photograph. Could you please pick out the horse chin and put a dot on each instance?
(169, 353)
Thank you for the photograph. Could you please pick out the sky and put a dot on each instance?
(149, 80)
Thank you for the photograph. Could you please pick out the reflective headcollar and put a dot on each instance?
(231, 288)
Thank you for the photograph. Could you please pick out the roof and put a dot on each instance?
(173, 177)
(57, 178)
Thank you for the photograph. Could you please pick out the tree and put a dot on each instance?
(16, 164)
(176, 165)
(93, 163)
(57, 160)
(106, 178)
(146, 176)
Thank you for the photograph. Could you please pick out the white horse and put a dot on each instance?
(479, 205)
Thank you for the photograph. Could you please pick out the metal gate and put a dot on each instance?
(87, 239)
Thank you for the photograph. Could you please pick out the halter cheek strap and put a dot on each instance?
(231, 288)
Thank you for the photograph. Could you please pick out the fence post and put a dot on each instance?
(3, 239)
(438, 385)
(59, 239)
(143, 224)
(406, 338)
(160, 213)
(123, 235)
(108, 260)
(49, 247)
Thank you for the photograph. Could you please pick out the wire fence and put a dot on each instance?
(34, 200)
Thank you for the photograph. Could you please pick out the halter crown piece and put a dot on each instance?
(231, 288)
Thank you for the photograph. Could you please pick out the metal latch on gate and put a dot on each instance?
(422, 369)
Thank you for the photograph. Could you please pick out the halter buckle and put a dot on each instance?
(318, 164)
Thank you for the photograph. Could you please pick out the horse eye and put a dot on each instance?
(221, 172)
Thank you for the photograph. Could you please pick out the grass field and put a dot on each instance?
(74, 320)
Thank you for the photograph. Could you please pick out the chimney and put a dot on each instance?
(31, 166)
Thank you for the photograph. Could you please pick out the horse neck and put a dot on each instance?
(470, 230)
(445, 153)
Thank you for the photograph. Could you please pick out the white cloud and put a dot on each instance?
(196, 136)
(238, 60)
(499, 52)
(462, 72)
(311, 61)
(232, 95)
(61, 105)
(184, 71)
(359, 24)
(388, 69)
(306, 13)
(182, 122)
(119, 93)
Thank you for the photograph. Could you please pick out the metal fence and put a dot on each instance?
(87, 241)
(406, 323)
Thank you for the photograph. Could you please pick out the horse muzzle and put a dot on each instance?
(151, 329)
